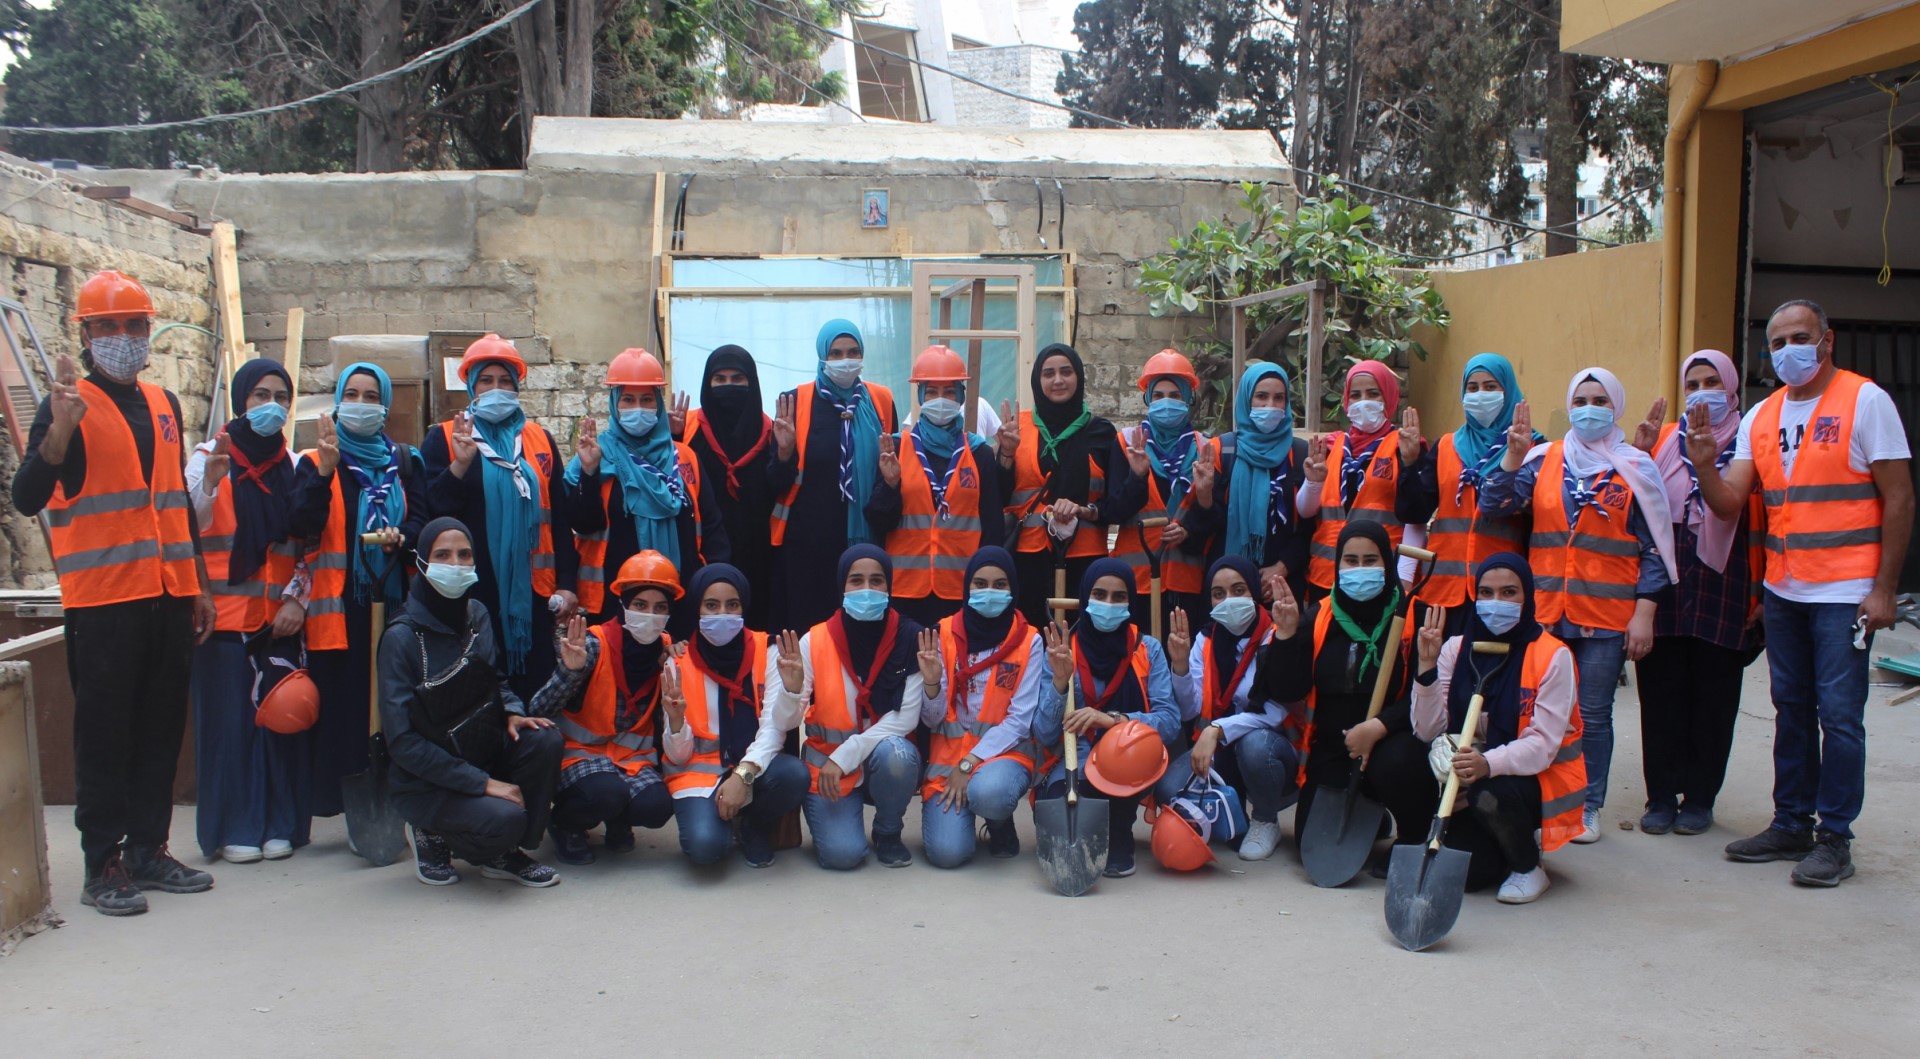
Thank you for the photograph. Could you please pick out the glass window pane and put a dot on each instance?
(761, 273)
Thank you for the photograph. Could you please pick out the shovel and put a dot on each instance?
(1155, 557)
(1426, 883)
(1341, 825)
(374, 827)
(1071, 833)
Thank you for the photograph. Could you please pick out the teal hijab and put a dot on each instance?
(374, 462)
(1251, 494)
(512, 521)
(859, 436)
(648, 470)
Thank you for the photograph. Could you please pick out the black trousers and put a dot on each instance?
(1494, 823)
(128, 665)
(604, 798)
(1397, 776)
(1689, 701)
(480, 828)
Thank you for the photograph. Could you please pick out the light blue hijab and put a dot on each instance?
(859, 436)
(1256, 457)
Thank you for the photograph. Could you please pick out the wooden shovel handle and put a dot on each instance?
(1387, 660)
(379, 624)
(1467, 728)
(1072, 747)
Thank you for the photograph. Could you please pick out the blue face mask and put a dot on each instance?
(1266, 420)
(449, 580)
(361, 420)
(1796, 365)
(1107, 616)
(638, 422)
(989, 602)
(1362, 583)
(1498, 615)
(866, 604)
(495, 406)
(1591, 421)
(1235, 613)
(1717, 403)
(721, 629)
(1168, 413)
(1484, 406)
(267, 419)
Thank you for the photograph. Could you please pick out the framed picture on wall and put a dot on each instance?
(873, 208)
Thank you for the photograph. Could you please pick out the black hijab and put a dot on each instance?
(1109, 654)
(984, 633)
(449, 612)
(863, 639)
(1223, 644)
(1067, 469)
(260, 477)
(733, 411)
(1502, 705)
(1367, 613)
(722, 660)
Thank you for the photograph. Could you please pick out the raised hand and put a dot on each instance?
(1410, 440)
(461, 442)
(1009, 437)
(1703, 449)
(1286, 609)
(1060, 654)
(783, 428)
(672, 699)
(328, 449)
(793, 672)
(889, 460)
(1433, 633)
(67, 406)
(929, 657)
(1647, 434)
(573, 649)
(1179, 643)
(219, 461)
(1316, 466)
(677, 415)
(1519, 437)
(1137, 452)
(1205, 470)
(588, 447)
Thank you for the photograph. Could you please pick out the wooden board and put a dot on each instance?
(26, 887)
(290, 356)
(233, 328)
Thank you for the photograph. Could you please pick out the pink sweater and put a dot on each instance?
(1535, 749)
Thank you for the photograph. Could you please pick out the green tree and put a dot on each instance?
(1171, 64)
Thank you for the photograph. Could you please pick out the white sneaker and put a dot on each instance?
(240, 854)
(277, 849)
(1262, 838)
(1591, 827)
(1523, 887)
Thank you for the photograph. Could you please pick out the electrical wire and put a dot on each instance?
(1885, 275)
(806, 88)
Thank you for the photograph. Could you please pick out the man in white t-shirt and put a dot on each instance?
(1831, 458)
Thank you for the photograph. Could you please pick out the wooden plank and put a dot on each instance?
(290, 356)
(1309, 287)
(977, 319)
(109, 191)
(122, 196)
(657, 265)
(226, 285)
(22, 645)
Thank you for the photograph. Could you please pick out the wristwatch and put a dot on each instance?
(746, 774)
(965, 767)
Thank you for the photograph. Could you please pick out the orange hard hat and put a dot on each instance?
(1168, 362)
(1177, 844)
(648, 569)
(938, 364)
(491, 347)
(291, 707)
(1127, 759)
(112, 294)
(636, 367)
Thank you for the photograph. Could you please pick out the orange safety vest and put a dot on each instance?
(1322, 621)
(1756, 527)
(1823, 522)
(830, 719)
(592, 581)
(704, 770)
(1212, 708)
(1588, 574)
(802, 422)
(123, 538)
(250, 605)
(1052, 756)
(1030, 499)
(949, 742)
(327, 565)
(590, 729)
(1374, 502)
(1563, 785)
(1178, 573)
(930, 551)
(537, 448)
(1461, 537)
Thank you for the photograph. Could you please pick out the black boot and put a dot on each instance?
(153, 868)
(111, 891)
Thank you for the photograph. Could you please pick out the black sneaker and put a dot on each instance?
(1830, 862)
(1119, 865)
(756, 845)
(522, 869)
(1693, 820)
(153, 868)
(891, 850)
(432, 860)
(1002, 840)
(1772, 844)
(1659, 818)
(112, 892)
(570, 847)
(619, 839)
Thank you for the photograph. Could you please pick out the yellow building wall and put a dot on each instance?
(1551, 317)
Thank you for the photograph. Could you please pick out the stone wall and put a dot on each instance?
(1029, 69)
(51, 239)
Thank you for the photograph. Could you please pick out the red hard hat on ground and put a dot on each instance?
(492, 347)
(1168, 362)
(112, 294)
(938, 364)
(1177, 844)
(648, 569)
(1127, 759)
(292, 707)
(636, 367)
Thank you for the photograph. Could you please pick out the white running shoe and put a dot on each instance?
(1590, 831)
(1524, 887)
(1262, 838)
(277, 849)
(240, 854)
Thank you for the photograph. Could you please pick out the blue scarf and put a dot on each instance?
(1172, 451)
(648, 468)
(859, 435)
(374, 462)
(512, 522)
(1481, 447)
(1258, 502)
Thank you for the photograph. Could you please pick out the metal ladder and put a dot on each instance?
(22, 386)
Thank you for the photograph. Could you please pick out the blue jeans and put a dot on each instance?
(1261, 765)
(992, 794)
(1599, 660)
(888, 779)
(1819, 727)
(707, 839)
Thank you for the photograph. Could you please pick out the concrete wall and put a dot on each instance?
(1029, 69)
(1551, 317)
(51, 239)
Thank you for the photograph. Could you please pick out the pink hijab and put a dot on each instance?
(1715, 535)
(1588, 458)
(1389, 384)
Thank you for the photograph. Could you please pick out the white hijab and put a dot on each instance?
(1612, 453)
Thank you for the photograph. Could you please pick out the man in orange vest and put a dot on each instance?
(1833, 462)
(105, 460)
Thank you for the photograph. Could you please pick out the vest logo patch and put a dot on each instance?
(1006, 676)
(1527, 699)
(1613, 495)
(966, 479)
(1826, 430)
(169, 429)
(1382, 469)
(545, 460)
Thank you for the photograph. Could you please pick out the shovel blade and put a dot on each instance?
(1424, 890)
(1338, 834)
(1072, 842)
(374, 826)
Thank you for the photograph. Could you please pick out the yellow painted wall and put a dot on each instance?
(1551, 317)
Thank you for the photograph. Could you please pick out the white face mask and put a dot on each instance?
(721, 629)
(645, 628)
(1367, 416)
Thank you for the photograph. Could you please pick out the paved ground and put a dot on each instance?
(1646, 945)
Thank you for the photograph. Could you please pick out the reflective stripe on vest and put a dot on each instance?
(591, 581)
(1589, 574)
(704, 768)
(590, 729)
(1459, 536)
(1029, 502)
(250, 605)
(803, 402)
(1373, 503)
(1823, 523)
(1563, 784)
(950, 741)
(1179, 571)
(930, 553)
(123, 538)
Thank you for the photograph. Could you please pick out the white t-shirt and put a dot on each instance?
(1877, 435)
